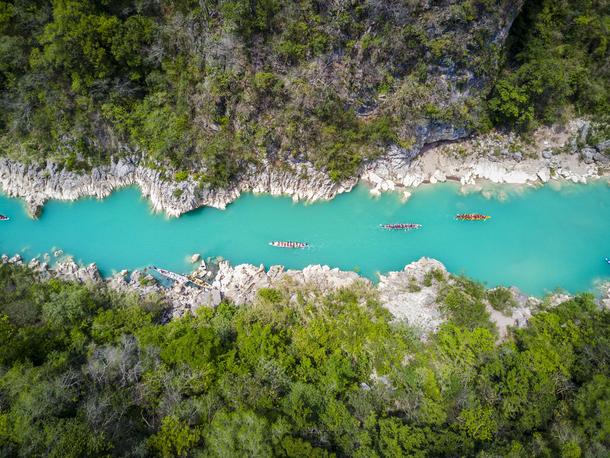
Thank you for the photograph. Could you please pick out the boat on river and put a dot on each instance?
(281, 244)
(472, 217)
(607, 260)
(400, 226)
(4, 218)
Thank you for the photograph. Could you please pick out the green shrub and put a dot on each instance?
(270, 295)
(413, 286)
(435, 274)
(511, 105)
(463, 303)
(501, 299)
(181, 175)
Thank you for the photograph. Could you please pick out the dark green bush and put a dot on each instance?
(501, 299)
(556, 59)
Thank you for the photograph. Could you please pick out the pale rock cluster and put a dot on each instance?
(605, 297)
(241, 283)
(417, 306)
(519, 315)
(37, 183)
(496, 158)
(411, 295)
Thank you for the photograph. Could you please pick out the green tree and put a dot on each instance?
(175, 438)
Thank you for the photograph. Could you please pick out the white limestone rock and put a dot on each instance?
(71, 271)
(418, 308)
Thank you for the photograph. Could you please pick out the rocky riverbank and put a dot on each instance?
(37, 183)
(559, 153)
(413, 294)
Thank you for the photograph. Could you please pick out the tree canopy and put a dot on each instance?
(85, 371)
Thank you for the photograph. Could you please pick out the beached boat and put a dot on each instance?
(199, 282)
(281, 244)
(171, 275)
(472, 217)
(4, 218)
(400, 226)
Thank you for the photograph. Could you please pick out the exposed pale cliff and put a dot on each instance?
(556, 153)
(413, 295)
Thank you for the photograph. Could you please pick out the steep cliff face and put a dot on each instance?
(463, 44)
(296, 98)
(37, 183)
(554, 153)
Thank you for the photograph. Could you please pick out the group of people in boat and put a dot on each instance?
(472, 217)
(461, 217)
(401, 226)
(281, 244)
(395, 226)
(392, 227)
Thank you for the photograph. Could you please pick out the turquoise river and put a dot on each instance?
(538, 239)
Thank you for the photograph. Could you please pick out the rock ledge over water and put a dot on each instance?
(497, 158)
(411, 295)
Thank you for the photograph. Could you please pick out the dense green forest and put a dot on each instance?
(215, 85)
(86, 371)
(557, 64)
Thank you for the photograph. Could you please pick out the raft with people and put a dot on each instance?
(472, 217)
(4, 218)
(400, 226)
(282, 244)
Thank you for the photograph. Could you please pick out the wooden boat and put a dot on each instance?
(171, 275)
(281, 244)
(199, 282)
(400, 226)
(183, 279)
(472, 217)
(4, 218)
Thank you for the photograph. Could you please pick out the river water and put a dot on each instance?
(538, 239)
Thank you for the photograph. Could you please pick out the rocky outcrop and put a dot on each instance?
(69, 270)
(605, 296)
(495, 158)
(411, 295)
(241, 283)
(518, 315)
(37, 183)
(181, 298)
